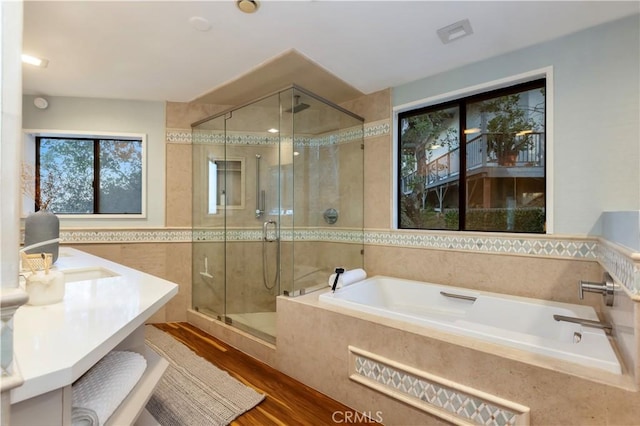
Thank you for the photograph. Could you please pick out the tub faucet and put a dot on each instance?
(585, 322)
(605, 288)
(335, 282)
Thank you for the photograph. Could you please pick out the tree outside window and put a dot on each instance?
(89, 176)
(477, 163)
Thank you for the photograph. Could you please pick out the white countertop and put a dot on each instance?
(56, 344)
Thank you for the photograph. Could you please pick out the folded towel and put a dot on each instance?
(81, 416)
(107, 384)
(348, 277)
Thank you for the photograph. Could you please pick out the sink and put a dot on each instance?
(83, 274)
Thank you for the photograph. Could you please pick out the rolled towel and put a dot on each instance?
(348, 277)
(81, 416)
(107, 384)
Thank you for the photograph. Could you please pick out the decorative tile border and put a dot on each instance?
(547, 246)
(621, 264)
(534, 246)
(106, 236)
(436, 395)
(329, 235)
(377, 128)
(184, 136)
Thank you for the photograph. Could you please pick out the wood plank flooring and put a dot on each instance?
(287, 402)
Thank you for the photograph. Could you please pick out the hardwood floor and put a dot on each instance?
(287, 401)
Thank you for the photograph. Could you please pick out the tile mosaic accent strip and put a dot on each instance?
(546, 246)
(436, 395)
(184, 136)
(377, 128)
(620, 265)
(101, 236)
(337, 235)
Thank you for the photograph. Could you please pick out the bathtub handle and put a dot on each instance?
(458, 296)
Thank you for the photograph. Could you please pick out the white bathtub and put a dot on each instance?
(518, 322)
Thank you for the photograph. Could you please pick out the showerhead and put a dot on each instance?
(298, 106)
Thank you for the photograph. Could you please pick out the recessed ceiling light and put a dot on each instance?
(272, 130)
(199, 23)
(247, 6)
(455, 31)
(32, 60)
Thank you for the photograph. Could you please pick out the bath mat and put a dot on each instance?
(193, 391)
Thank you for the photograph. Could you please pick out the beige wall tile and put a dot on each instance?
(180, 115)
(377, 183)
(373, 107)
(178, 185)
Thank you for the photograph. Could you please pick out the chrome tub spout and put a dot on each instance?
(585, 322)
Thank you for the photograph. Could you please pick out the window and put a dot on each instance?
(89, 175)
(476, 163)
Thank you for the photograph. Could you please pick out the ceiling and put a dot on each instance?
(149, 50)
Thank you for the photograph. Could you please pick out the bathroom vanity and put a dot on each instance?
(105, 307)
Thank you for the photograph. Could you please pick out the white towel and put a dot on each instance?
(81, 416)
(107, 384)
(348, 277)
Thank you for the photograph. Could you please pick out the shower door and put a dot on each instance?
(208, 218)
(252, 225)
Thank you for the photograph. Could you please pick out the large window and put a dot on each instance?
(476, 163)
(89, 175)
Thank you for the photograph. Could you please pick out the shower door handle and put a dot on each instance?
(265, 229)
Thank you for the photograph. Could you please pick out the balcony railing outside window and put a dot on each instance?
(447, 166)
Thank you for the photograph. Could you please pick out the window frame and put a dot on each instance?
(461, 98)
(29, 154)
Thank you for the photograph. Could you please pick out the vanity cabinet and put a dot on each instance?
(105, 308)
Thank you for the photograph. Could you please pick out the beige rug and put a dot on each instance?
(193, 391)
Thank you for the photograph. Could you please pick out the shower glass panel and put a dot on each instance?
(277, 205)
(208, 219)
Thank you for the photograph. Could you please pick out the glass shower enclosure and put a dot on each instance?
(277, 205)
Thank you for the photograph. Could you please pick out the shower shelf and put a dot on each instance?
(234, 193)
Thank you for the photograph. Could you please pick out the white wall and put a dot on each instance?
(110, 115)
(11, 295)
(10, 133)
(596, 116)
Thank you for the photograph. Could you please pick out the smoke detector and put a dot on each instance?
(247, 6)
(40, 103)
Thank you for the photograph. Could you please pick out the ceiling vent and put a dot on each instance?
(455, 31)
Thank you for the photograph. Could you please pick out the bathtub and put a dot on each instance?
(517, 322)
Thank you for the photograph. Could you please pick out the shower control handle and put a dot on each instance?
(606, 288)
(265, 228)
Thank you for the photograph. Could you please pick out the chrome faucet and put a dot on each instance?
(585, 322)
(605, 288)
